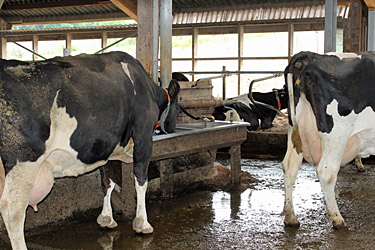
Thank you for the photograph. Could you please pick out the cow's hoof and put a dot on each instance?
(106, 221)
(142, 228)
(291, 221)
(292, 224)
(361, 169)
(339, 225)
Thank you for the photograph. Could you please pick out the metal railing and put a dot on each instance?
(225, 73)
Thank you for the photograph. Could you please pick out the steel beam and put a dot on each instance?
(330, 26)
(165, 41)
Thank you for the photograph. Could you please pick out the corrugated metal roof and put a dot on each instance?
(73, 29)
(256, 14)
(220, 3)
(66, 11)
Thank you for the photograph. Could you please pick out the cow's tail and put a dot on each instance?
(2, 177)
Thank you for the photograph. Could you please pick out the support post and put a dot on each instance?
(235, 169)
(290, 40)
(353, 29)
(155, 40)
(144, 34)
(35, 46)
(104, 40)
(165, 42)
(68, 45)
(224, 83)
(128, 194)
(371, 30)
(330, 25)
(166, 179)
(3, 50)
(194, 48)
(240, 55)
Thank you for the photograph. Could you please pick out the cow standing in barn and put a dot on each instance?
(68, 116)
(110, 176)
(256, 115)
(332, 120)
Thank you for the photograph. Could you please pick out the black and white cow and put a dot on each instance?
(332, 120)
(69, 115)
(253, 113)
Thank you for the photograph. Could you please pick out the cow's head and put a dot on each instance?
(171, 119)
(281, 98)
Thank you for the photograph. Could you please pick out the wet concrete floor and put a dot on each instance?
(248, 219)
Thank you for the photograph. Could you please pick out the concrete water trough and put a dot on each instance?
(189, 139)
(73, 196)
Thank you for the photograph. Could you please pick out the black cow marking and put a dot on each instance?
(332, 120)
(253, 113)
(69, 115)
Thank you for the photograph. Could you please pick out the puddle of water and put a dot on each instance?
(247, 219)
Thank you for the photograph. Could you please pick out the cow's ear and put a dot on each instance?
(173, 88)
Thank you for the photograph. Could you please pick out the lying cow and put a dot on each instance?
(68, 116)
(332, 120)
(253, 113)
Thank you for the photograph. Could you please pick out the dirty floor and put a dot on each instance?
(248, 219)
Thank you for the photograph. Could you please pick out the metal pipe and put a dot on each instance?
(165, 42)
(371, 30)
(230, 72)
(122, 39)
(260, 103)
(224, 84)
(155, 40)
(212, 77)
(205, 103)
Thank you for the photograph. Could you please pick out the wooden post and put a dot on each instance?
(353, 29)
(290, 40)
(194, 47)
(68, 45)
(166, 179)
(35, 46)
(235, 169)
(3, 50)
(104, 40)
(144, 34)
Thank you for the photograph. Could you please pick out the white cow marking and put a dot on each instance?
(140, 223)
(105, 219)
(235, 116)
(126, 70)
(344, 55)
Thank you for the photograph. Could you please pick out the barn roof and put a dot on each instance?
(15, 12)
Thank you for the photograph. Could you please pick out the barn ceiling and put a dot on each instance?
(15, 12)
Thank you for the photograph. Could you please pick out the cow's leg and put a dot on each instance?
(291, 164)
(140, 223)
(141, 157)
(327, 170)
(254, 122)
(266, 122)
(18, 187)
(105, 219)
(358, 164)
